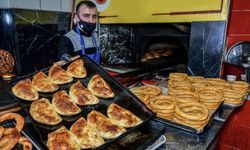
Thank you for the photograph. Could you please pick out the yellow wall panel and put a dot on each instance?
(141, 11)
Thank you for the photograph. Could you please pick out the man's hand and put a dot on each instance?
(66, 57)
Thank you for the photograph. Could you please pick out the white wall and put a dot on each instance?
(4, 4)
(50, 5)
(66, 5)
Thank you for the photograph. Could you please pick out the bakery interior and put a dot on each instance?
(153, 53)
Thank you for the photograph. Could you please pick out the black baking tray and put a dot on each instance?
(187, 128)
(141, 139)
(123, 97)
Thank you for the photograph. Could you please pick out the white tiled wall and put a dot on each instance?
(50, 5)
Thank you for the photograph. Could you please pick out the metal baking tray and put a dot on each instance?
(177, 125)
(187, 128)
(123, 97)
(157, 143)
(143, 138)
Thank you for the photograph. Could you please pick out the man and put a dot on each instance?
(82, 39)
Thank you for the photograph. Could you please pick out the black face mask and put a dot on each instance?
(87, 27)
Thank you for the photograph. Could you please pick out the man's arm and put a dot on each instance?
(65, 47)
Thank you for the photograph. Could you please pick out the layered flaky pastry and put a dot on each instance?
(24, 90)
(86, 136)
(122, 116)
(81, 95)
(64, 105)
(106, 128)
(99, 87)
(43, 112)
(42, 83)
(76, 69)
(61, 139)
(58, 75)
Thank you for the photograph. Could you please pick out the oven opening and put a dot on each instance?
(161, 48)
(144, 46)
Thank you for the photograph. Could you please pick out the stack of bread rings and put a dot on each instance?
(235, 94)
(194, 79)
(191, 114)
(143, 97)
(240, 86)
(232, 96)
(176, 77)
(218, 84)
(211, 98)
(187, 97)
(164, 106)
(147, 92)
(9, 137)
(181, 82)
(198, 82)
(216, 81)
(178, 87)
(200, 85)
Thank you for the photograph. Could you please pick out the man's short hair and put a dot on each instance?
(88, 3)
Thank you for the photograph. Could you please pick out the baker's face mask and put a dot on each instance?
(87, 27)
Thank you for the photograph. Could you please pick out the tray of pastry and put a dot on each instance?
(60, 100)
(175, 110)
(187, 124)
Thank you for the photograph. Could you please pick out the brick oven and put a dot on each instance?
(144, 45)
